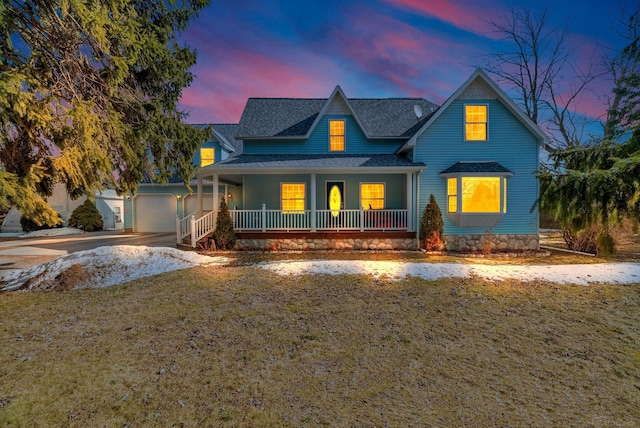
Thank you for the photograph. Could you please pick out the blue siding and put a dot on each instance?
(265, 189)
(510, 144)
(318, 142)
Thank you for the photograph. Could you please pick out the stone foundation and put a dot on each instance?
(465, 243)
(306, 244)
(487, 243)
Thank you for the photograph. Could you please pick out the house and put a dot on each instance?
(108, 203)
(155, 207)
(357, 173)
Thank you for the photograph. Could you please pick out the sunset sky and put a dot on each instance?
(371, 48)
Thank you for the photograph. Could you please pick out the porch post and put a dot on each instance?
(418, 214)
(313, 202)
(199, 197)
(409, 201)
(216, 198)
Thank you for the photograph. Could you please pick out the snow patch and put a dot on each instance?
(60, 231)
(104, 266)
(582, 274)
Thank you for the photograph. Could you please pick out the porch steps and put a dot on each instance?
(203, 243)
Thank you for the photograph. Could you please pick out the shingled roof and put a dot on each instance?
(317, 161)
(294, 117)
(476, 168)
(229, 132)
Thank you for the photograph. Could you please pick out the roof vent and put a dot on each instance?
(418, 111)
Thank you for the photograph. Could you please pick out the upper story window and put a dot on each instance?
(372, 196)
(207, 156)
(293, 198)
(475, 122)
(336, 135)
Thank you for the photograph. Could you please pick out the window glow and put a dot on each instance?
(207, 156)
(293, 198)
(336, 135)
(481, 194)
(372, 196)
(335, 200)
(452, 192)
(475, 122)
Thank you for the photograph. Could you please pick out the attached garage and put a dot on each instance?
(154, 213)
(191, 203)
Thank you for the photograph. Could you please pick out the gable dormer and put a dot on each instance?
(338, 106)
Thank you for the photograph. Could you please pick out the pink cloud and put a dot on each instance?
(470, 16)
(224, 83)
(402, 55)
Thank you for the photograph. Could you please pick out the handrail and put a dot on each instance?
(201, 227)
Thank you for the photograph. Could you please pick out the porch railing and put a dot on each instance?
(195, 228)
(264, 220)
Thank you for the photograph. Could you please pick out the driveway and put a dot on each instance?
(26, 252)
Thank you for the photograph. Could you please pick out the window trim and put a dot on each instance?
(304, 198)
(477, 219)
(465, 122)
(344, 135)
(384, 196)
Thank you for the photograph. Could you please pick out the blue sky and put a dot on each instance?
(371, 48)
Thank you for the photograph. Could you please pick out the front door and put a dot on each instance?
(335, 202)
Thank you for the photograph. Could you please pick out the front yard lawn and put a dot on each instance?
(240, 346)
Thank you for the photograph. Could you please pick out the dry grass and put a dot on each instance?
(625, 235)
(239, 346)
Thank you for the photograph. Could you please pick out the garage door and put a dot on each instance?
(191, 203)
(154, 213)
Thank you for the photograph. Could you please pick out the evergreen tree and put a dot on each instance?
(592, 186)
(431, 227)
(86, 217)
(224, 235)
(88, 95)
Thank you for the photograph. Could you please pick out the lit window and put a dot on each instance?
(293, 197)
(481, 194)
(372, 196)
(452, 186)
(336, 135)
(475, 125)
(207, 156)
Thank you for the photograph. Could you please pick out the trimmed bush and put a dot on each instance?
(224, 235)
(29, 225)
(432, 227)
(86, 217)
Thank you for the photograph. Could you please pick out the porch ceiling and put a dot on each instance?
(321, 163)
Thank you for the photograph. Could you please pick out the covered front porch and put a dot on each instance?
(323, 201)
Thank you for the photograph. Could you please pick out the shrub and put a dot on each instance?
(224, 235)
(606, 244)
(594, 240)
(29, 225)
(86, 217)
(431, 227)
